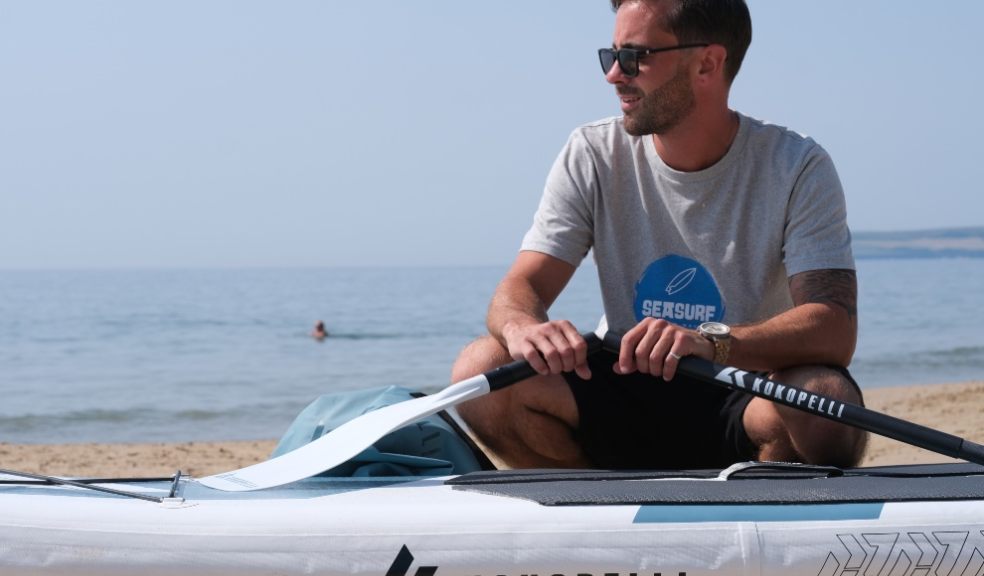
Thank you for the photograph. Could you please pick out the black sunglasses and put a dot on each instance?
(628, 58)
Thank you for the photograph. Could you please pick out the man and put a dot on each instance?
(715, 235)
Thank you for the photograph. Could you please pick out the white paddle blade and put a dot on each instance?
(345, 442)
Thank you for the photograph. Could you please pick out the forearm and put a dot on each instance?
(525, 294)
(517, 316)
(821, 328)
(515, 303)
(811, 333)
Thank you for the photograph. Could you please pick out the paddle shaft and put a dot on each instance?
(824, 406)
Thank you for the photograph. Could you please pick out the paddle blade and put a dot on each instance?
(348, 440)
(345, 442)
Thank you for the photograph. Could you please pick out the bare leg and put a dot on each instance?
(527, 425)
(790, 435)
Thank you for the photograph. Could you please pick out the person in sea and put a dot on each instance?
(715, 235)
(319, 332)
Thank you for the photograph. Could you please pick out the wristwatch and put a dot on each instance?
(720, 336)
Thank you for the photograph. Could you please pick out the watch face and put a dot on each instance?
(715, 329)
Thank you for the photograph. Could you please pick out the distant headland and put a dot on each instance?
(939, 243)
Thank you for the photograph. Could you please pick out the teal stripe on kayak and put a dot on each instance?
(758, 513)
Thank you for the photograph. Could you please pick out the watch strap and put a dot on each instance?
(722, 349)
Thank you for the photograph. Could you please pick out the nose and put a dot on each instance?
(615, 75)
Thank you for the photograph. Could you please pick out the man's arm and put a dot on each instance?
(820, 329)
(518, 319)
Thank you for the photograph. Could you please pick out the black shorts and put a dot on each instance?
(638, 421)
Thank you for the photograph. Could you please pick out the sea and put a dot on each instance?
(226, 354)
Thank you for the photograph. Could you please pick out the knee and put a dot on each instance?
(826, 441)
(821, 380)
(479, 356)
(484, 414)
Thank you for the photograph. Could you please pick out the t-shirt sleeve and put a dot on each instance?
(563, 225)
(817, 236)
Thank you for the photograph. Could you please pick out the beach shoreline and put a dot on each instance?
(955, 408)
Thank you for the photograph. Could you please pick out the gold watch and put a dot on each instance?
(720, 336)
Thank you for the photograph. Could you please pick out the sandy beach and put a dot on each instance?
(957, 408)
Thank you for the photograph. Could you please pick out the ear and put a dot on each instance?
(711, 63)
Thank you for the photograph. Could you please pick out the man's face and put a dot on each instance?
(656, 100)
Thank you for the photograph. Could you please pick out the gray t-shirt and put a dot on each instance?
(716, 244)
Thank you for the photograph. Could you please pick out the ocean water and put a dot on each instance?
(177, 355)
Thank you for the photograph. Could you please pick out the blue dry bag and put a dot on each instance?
(432, 446)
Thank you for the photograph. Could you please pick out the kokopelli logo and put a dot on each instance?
(401, 565)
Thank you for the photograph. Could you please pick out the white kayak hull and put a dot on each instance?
(426, 527)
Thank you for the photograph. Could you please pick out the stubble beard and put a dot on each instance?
(664, 108)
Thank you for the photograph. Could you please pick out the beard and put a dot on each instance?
(662, 109)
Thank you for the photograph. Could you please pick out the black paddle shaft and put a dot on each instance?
(521, 370)
(824, 406)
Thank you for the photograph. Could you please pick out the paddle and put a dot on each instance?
(351, 438)
(348, 440)
(820, 405)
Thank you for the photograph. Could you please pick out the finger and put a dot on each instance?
(565, 351)
(670, 365)
(581, 367)
(646, 361)
(580, 348)
(530, 353)
(673, 357)
(550, 354)
(658, 352)
(583, 371)
(556, 349)
(626, 351)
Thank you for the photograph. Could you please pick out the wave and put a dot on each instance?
(370, 335)
(956, 364)
(971, 356)
(37, 421)
(148, 424)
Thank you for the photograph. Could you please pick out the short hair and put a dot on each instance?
(725, 22)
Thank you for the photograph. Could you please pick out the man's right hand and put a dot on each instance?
(551, 347)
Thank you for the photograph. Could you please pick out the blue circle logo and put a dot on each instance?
(679, 290)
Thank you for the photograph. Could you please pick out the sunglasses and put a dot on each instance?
(628, 58)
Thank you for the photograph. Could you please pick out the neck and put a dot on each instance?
(698, 142)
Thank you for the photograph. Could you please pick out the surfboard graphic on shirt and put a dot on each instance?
(679, 290)
(681, 281)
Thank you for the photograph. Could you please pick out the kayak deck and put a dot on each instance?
(747, 483)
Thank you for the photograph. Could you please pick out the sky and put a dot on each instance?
(419, 133)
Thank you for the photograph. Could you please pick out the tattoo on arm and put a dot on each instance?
(836, 287)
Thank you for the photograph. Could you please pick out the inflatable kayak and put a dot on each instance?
(756, 519)
(328, 502)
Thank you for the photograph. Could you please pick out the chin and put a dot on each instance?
(633, 128)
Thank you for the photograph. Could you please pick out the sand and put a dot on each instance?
(955, 408)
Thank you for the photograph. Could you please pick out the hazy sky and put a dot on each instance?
(302, 133)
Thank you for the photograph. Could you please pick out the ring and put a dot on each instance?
(676, 356)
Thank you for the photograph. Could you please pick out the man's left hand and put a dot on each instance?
(656, 347)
